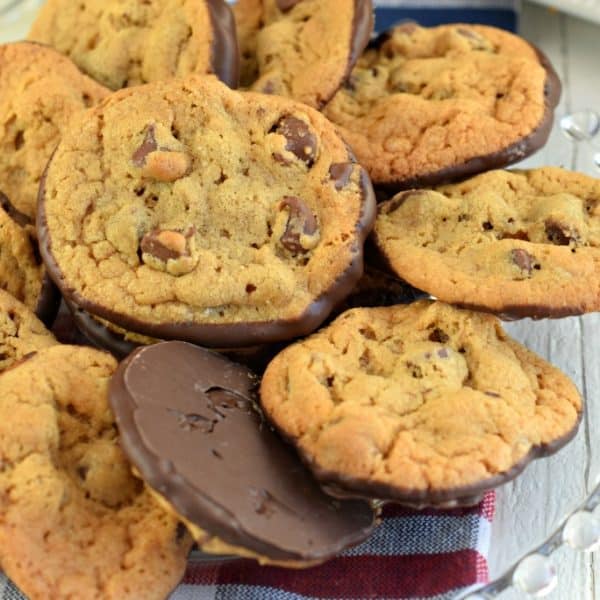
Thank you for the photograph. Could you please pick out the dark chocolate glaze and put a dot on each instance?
(16, 215)
(255, 357)
(189, 424)
(225, 51)
(343, 486)
(362, 28)
(49, 299)
(215, 335)
(496, 160)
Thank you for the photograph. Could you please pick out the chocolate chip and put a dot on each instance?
(437, 335)
(148, 145)
(487, 226)
(517, 235)
(166, 244)
(523, 259)
(180, 532)
(268, 87)
(300, 139)
(560, 235)
(492, 394)
(285, 5)
(443, 353)
(340, 174)
(301, 221)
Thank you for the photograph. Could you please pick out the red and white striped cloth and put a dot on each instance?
(414, 555)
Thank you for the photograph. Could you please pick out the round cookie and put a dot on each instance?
(422, 403)
(522, 244)
(123, 43)
(179, 406)
(22, 273)
(184, 210)
(74, 522)
(45, 90)
(21, 333)
(303, 49)
(429, 105)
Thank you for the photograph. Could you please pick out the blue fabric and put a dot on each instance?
(386, 17)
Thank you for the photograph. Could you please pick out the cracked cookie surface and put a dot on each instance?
(425, 106)
(22, 273)
(185, 210)
(123, 43)
(21, 332)
(74, 522)
(46, 90)
(419, 403)
(303, 49)
(522, 243)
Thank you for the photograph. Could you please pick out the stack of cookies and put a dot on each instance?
(294, 353)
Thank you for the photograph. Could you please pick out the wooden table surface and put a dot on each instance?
(529, 508)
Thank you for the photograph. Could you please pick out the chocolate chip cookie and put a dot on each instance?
(126, 43)
(22, 273)
(22, 334)
(178, 406)
(421, 403)
(303, 49)
(74, 522)
(523, 244)
(425, 106)
(184, 210)
(42, 91)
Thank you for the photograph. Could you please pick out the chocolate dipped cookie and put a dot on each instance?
(74, 521)
(190, 426)
(126, 43)
(521, 244)
(41, 91)
(303, 49)
(184, 210)
(22, 273)
(428, 105)
(420, 404)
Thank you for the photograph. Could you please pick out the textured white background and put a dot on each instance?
(530, 508)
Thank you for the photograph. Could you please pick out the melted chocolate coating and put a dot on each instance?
(189, 423)
(101, 336)
(225, 51)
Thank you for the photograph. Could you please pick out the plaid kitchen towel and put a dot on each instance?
(413, 555)
(418, 555)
